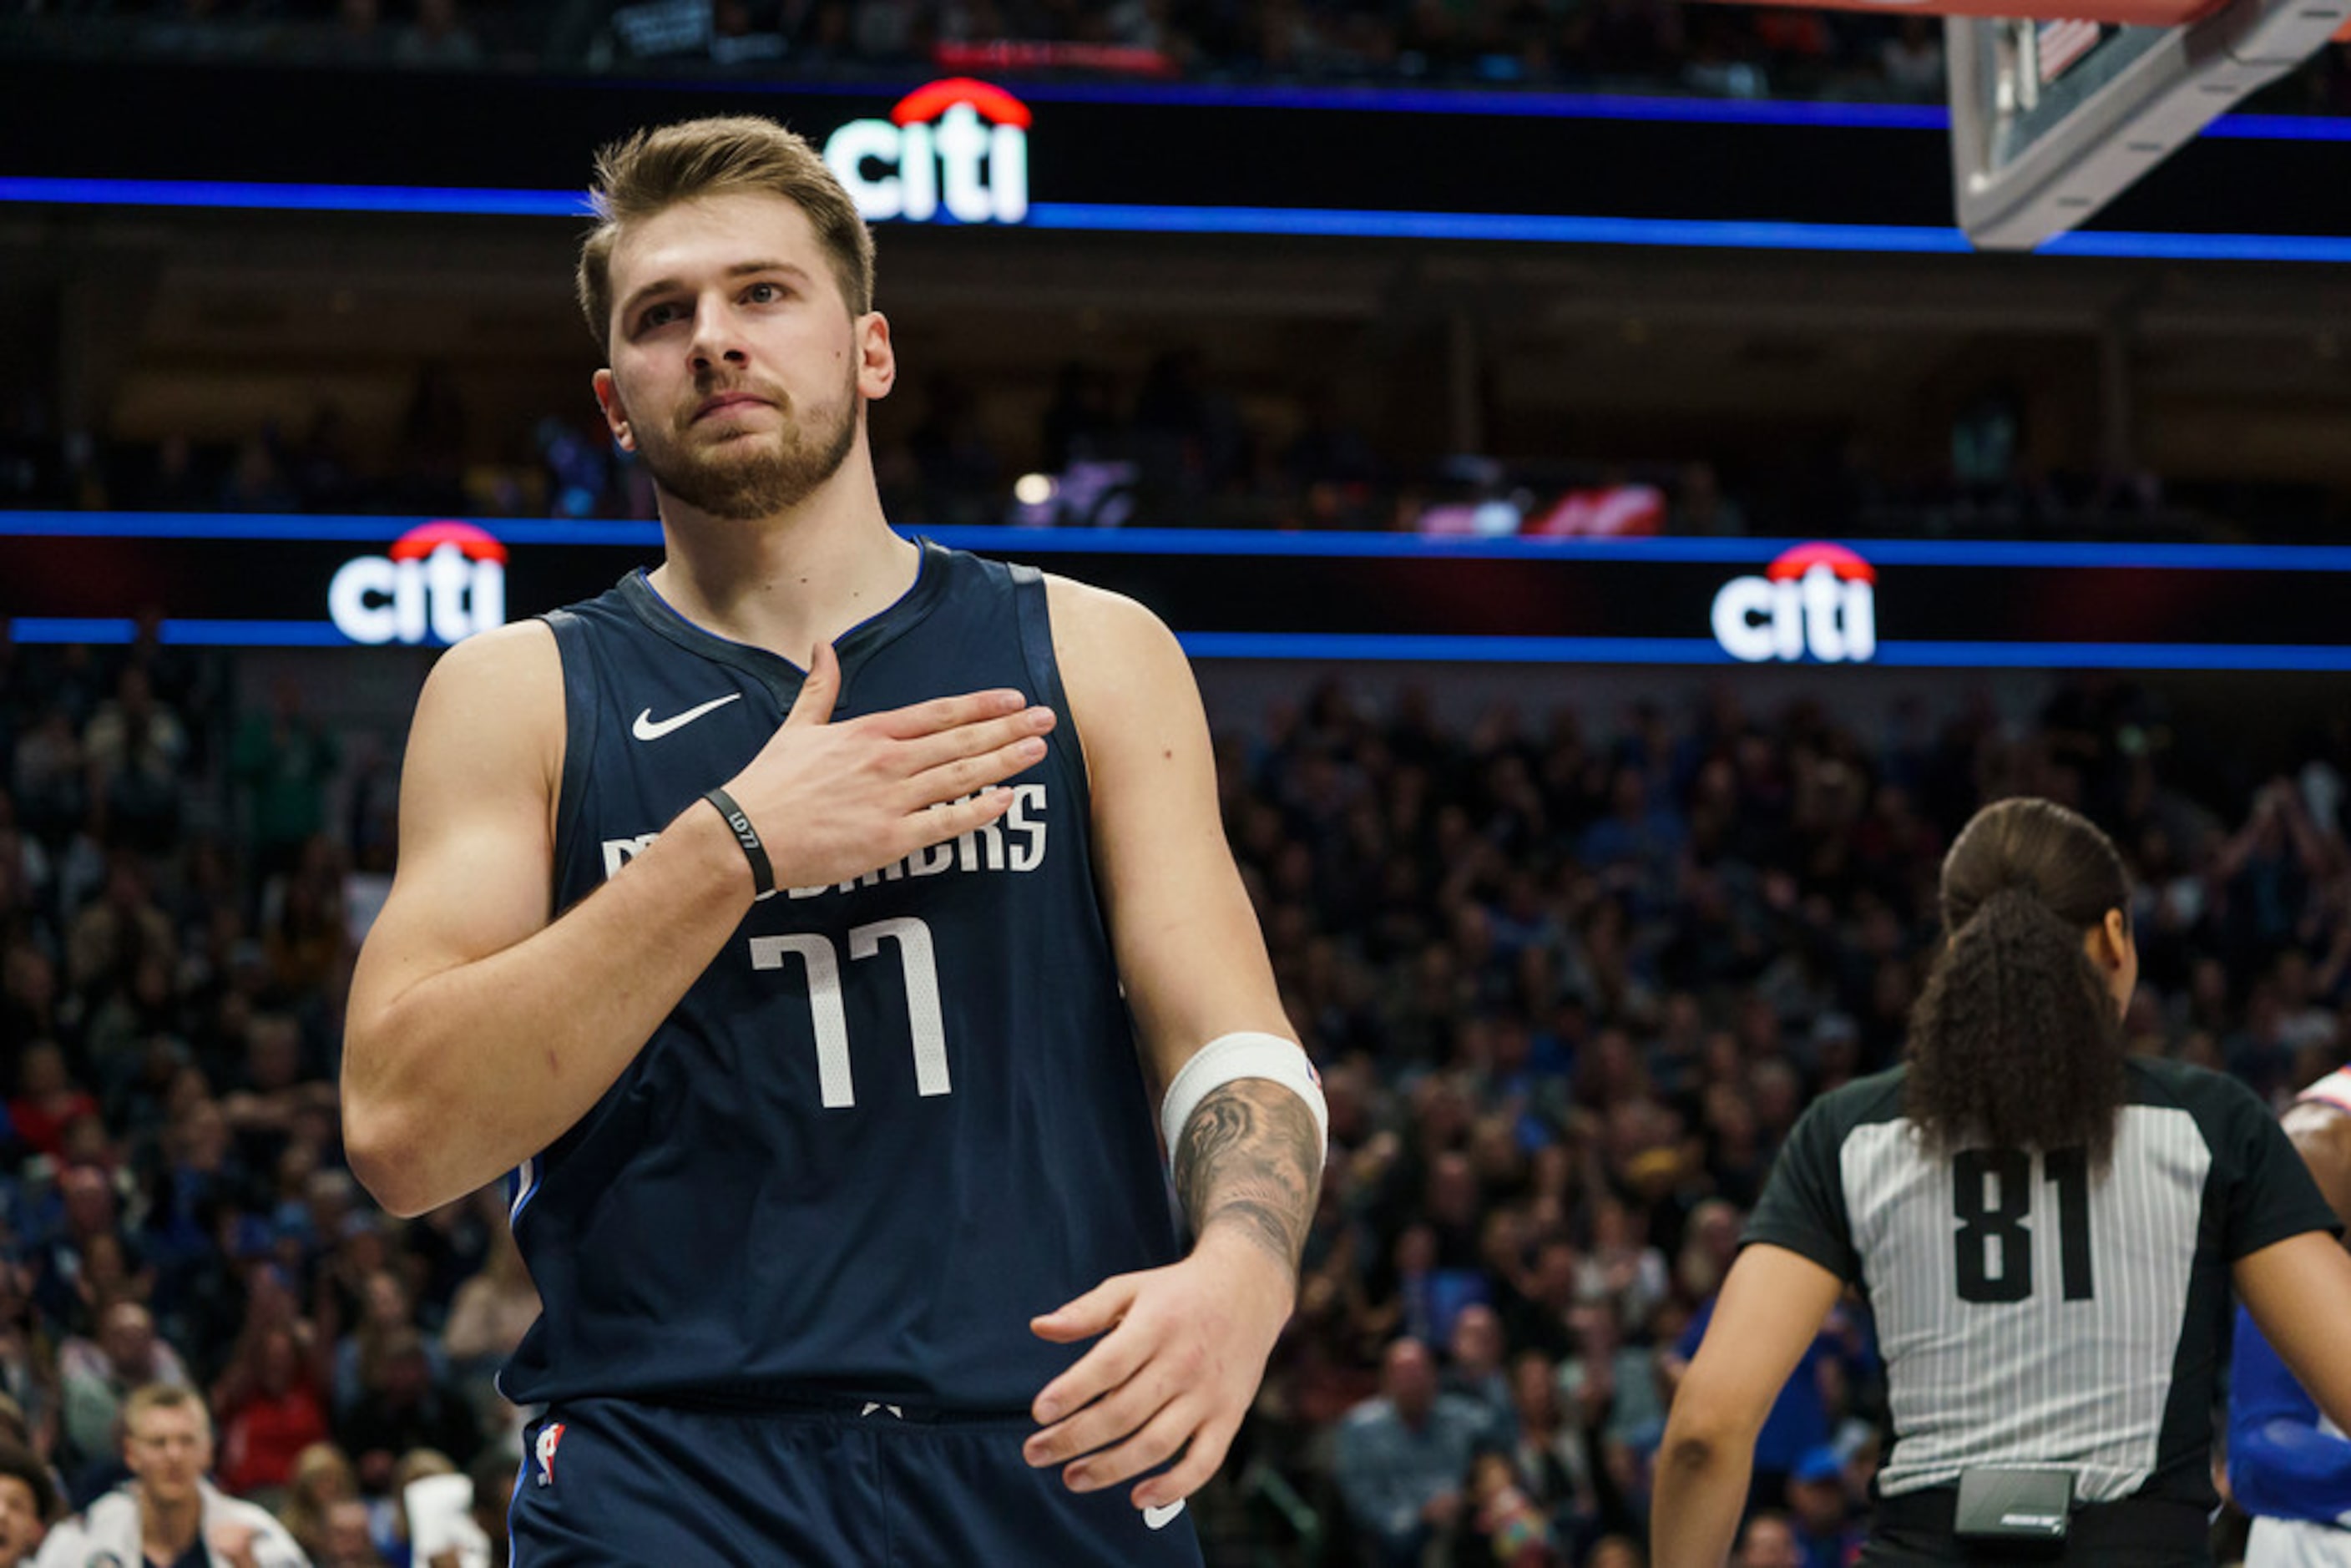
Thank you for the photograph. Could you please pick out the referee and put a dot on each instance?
(2046, 1229)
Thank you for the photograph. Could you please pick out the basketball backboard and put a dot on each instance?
(2052, 118)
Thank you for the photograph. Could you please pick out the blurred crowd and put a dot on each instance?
(1171, 443)
(174, 1209)
(1653, 45)
(1570, 977)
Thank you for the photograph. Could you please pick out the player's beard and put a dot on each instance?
(754, 474)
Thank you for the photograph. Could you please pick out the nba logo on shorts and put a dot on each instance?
(549, 1437)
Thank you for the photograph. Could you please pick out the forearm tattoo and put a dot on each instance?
(1250, 1157)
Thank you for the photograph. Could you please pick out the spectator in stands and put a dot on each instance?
(321, 1479)
(168, 1512)
(271, 1412)
(405, 1406)
(46, 1101)
(1621, 1271)
(1770, 1541)
(1545, 1315)
(135, 746)
(477, 1539)
(27, 1502)
(1556, 1458)
(387, 1311)
(413, 1479)
(1616, 1552)
(491, 1312)
(348, 1541)
(1822, 1511)
(1403, 1456)
(304, 935)
(1614, 1386)
(283, 762)
(1474, 1370)
(1505, 1526)
(82, 1221)
(99, 1375)
(28, 1374)
(108, 937)
(50, 780)
(266, 1110)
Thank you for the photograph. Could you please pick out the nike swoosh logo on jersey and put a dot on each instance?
(1160, 1518)
(646, 729)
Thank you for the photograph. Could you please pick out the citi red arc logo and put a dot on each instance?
(441, 582)
(1818, 600)
(1792, 565)
(993, 103)
(934, 157)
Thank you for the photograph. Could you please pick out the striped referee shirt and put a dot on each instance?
(2034, 1310)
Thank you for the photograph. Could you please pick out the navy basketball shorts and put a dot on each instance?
(610, 1482)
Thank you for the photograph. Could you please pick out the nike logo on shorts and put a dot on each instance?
(648, 728)
(1161, 1517)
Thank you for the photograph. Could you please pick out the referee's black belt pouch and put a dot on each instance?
(2162, 1526)
(2013, 1507)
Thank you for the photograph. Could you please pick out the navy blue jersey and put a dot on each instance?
(895, 1118)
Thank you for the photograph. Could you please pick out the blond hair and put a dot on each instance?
(653, 169)
(163, 1396)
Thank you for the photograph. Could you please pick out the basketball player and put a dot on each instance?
(786, 920)
(26, 1501)
(2288, 1465)
(2046, 1229)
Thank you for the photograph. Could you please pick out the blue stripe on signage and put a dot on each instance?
(2201, 247)
(1133, 218)
(296, 197)
(1736, 552)
(1750, 552)
(107, 629)
(1537, 228)
(273, 525)
(1350, 646)
(1342, 647)
(2115, 656)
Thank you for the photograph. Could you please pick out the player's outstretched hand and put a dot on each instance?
(833, 802)
(1181, 1353)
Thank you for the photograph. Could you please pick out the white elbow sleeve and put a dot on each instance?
(1247, 1054)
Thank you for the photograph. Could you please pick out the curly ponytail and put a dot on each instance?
(2014, 1043)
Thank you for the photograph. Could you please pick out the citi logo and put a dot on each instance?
(1817, 598)
(441, 582)
(931, 150)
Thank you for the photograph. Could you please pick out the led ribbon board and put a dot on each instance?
(358, 582)
(962, 153)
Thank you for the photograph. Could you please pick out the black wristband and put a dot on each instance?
(763, 875)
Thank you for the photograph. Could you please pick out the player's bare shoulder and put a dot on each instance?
(1111, 649)
(492, 707)
(1135, 705)
(518, 650)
